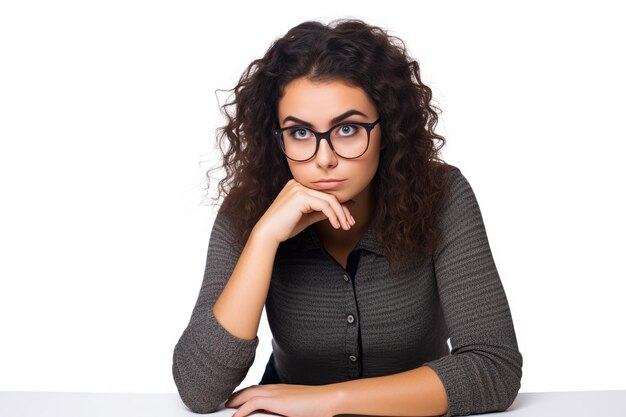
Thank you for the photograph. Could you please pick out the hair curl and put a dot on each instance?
(409, 185)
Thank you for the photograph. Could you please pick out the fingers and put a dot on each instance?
(325, 207)
(348, 215)
(341, 213)
(254, 403)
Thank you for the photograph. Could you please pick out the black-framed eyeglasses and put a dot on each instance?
(299, 145)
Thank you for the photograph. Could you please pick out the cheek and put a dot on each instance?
(294, 171)
(363, 175)
(372, 165)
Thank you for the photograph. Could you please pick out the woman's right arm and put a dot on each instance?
(218, 346)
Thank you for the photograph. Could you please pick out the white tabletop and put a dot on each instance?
(72, 404)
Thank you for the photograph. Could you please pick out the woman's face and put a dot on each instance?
(318, 103)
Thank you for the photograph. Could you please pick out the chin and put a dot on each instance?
(337, 193)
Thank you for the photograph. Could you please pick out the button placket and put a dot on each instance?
(352, 326)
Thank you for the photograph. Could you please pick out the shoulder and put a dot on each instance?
(225, 229)
(457, 185)
(459, 199)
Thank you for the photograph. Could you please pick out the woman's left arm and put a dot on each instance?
(417, 392)
(484, 370)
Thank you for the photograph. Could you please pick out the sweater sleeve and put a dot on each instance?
(483, 371)
(208, 361)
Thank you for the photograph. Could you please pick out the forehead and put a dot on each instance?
(321, 101)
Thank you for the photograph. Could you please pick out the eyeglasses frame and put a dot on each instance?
(318, 137)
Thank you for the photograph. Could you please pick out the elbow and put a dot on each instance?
(498, 382)
(199, 406)
(507, 393)
(509, 382)
(193, 388)
(195, 396)
(207, 366)
(480, 380)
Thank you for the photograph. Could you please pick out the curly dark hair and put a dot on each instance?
(409, 185)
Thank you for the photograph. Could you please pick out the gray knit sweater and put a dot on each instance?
(330, 326)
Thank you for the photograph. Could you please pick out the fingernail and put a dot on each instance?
(353, 221)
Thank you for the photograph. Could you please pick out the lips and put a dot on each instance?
(328, 184)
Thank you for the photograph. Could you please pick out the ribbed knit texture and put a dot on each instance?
(317, 312)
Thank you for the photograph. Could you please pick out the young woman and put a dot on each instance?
(367, 251)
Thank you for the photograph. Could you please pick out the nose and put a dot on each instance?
(325, 154)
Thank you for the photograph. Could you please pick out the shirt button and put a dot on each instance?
(350, 318)
(353, 358)
(346, 277)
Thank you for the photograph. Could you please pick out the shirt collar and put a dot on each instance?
(368, 241)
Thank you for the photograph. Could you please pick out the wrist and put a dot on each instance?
(258, 233)
(336, 398)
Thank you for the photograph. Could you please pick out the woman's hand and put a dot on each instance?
(285, 399)
(296, 207)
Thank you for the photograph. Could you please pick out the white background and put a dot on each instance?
(108, 114)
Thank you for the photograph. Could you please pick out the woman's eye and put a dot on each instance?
(348, 129)
(299, 133)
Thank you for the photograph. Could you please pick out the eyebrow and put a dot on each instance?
(333, 121)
